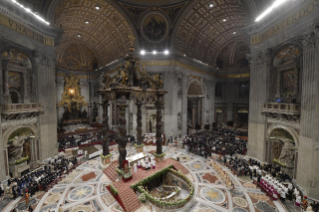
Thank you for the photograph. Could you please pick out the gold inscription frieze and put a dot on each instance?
(20, 28)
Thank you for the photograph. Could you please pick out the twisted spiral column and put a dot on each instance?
(159, 106)
(139, 122)
(106, 142)
(122, 140)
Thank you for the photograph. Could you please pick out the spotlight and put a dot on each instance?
(142, 52)
(97, 7)
(154, 52)
(211, 5)
(269, 9)
(166, 52)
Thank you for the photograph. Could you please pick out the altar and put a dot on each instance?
(134, 158)
(150, 139)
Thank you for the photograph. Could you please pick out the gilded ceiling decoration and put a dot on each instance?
(204, 31)
(104, 30)
(154, 27)
(74, 56)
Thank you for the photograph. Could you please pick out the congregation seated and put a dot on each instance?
(86, 150)
(76, 140)
(206, 142)
(38, 180)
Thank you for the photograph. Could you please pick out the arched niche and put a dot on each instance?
(285, 74)
(194, 104)
(16, 131)
(17, 75)
(15, 96)
(279, 140)
(194, 89)
(242, 117)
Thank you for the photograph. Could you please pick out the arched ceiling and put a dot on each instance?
(104, 31)
(152, 2)
(196, 30)
(74, 56)
(203, 31)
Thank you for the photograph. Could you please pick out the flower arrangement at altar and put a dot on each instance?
(105, 156)
(157, 200)
(159, 156)
(279, 163)
(142, 198)
(139, 146)
(114, 190)
(22, 160)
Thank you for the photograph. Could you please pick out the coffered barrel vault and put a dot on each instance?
(96, 25)
(208, 26)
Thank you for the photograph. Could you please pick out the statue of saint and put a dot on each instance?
(287, 155)
(16, 149)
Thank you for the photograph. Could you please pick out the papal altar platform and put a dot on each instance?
(126, 197)
(134, 158)
(150, 139)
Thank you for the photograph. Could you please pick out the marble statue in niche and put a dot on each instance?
(287, 155)
(16, 147)
(277, 148)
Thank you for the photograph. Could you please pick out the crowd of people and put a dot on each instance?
(229, 142)
(219, 141)
(38, 180)
(76, 140)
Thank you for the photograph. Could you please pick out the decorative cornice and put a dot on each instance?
(191, 68)
(16, 122)
(292, 124)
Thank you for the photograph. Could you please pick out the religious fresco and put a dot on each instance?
(154, 27)
(288, 81)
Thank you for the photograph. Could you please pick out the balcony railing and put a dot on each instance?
(281, 108)
(21, 108)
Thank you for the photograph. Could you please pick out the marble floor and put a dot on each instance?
(85, 190)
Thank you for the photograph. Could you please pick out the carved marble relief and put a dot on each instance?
(14, 80)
